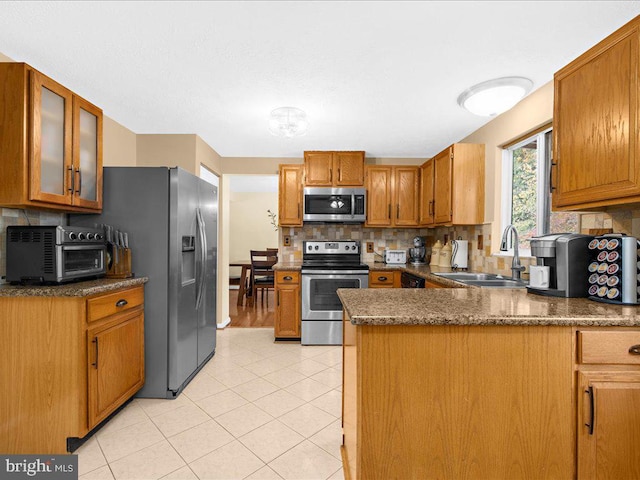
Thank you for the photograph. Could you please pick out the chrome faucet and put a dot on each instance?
(516, 266)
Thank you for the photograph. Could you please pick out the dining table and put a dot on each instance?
(246, 269)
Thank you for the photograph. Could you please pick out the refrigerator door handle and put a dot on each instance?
(202, 260)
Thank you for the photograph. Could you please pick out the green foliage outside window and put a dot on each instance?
(525, 198)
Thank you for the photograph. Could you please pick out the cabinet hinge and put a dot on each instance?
(451, 156)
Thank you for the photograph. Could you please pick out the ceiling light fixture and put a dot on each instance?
(288, 122)
(493, 97)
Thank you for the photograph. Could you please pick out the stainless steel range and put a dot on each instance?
(327, 266)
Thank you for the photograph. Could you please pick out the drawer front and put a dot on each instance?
(381, 279)
(609, 347)
(115, 302)
(288, 278)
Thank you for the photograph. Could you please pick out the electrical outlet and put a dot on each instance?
(480, 242)
(286, 240)
(369, 247)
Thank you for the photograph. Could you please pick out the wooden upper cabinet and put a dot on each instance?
(442, 212)
(51, 149)
(455, 192)
(426, 193)
(379, 197)
(406, 187)
(290, 195)
(392, 196)
(334, 169)
(596, 138)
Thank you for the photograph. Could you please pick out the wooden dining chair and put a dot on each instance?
(262, 275)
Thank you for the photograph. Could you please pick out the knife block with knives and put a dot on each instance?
(118, 253)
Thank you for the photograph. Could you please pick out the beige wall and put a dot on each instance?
(207, 156)
(249, 224)
(531, 113)
(118, 144)
(167, 151)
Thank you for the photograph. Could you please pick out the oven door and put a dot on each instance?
(78, 261)
(320, 299)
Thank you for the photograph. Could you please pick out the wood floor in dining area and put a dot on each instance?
(258, 316)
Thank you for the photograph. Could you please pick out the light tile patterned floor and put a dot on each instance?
(257, 410)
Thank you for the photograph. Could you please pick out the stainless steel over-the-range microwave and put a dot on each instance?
(54, 254)
(332, 204)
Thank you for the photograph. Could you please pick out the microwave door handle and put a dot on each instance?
(353, 205)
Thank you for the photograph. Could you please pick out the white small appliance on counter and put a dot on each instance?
(394, 257)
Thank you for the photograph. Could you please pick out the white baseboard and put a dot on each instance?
(224, 323)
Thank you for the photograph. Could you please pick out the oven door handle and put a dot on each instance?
(313, 273)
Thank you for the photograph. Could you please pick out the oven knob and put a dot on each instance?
(81, 236)
(316, 247)
(72, 235)
(90, 236)
(346, 247)
(98, 236)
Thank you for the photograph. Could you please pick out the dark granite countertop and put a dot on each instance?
(75, 289)
(478, 306)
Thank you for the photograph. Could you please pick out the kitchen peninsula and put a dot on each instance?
(488, 383)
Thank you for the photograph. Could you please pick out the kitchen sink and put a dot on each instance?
(485, 280)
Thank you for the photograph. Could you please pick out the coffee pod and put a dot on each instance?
(613, 244)
(602, 291)
(593, 289)
(602, 268)
(613, 293)
(593, 266)
(602, 279)
(613, 281)
(613, 269)
(602, 256)
(593, 278)
(602, 244)
(593, 244)
(613, 257)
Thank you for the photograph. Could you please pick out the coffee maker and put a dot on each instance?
(565, 256)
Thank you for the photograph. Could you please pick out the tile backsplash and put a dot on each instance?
(11, 216)
(399, 238)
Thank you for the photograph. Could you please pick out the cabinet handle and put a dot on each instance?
(634, 350)
(551, 187)
(278, 299)
(121, 303)
(331, 175)
(298, 209)
(431, 208)
(339, 175)
(397, 211)
(287, 278)
(389, 211)
(79, 173)
(71, 179)
(382, 279)
(95, 340)
(591, 410)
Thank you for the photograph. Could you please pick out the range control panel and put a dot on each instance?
(337, 247)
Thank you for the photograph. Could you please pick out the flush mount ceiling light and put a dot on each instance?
(493, 97)
(288, 122)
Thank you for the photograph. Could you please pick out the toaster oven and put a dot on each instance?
(54, 254)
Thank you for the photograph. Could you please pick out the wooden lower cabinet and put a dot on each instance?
(384, 278)
(288, 313)
(116, 346)
(458, 402)
(608, 404)
(53, 390)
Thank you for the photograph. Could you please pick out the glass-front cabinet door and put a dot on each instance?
(51, 146)
(87, 154)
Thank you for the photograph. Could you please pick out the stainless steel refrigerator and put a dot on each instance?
(171, 219)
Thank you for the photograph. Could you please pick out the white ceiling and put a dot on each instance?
(376, 76)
